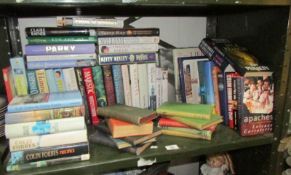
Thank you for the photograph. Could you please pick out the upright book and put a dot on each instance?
(19, 75)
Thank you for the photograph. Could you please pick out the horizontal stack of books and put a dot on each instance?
(128, 129)
(188, 120)
(46, 129)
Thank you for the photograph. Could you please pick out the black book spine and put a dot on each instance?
(50, 31)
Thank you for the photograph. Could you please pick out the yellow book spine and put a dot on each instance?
(184, 114)
(187, 135)
(42, 81)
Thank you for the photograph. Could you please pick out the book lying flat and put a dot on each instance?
(136, 140)
(127, 113)
(187, 132)
(199, 111)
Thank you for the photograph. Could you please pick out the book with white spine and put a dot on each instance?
(89, 56)
(152, 92)
(134, 85)
(159, 86)
(129, 40)
(70, 79)
(127, 48)
(143, 85)
(164, 82)
(126, 85)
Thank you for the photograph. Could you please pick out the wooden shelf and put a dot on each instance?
(104, 159)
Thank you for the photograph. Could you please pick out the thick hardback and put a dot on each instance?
(61, 64)
(38, 115)
(127, 113)
(56, 49)
(118, 84)
(48, 153)
(61, 39)
(32, 82)
(129, 40)
(44, 127)
(19, 75)
(127, 58)
(45, 101)
(127, 48)
(99, 85)
(127, 32)
(187, 132)
(48, 140)
(53, 31)
(109, 86)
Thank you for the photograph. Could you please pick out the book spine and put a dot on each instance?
(70, 79)
(127, 32)
(135, 97)
(198, 134)
(118, 84)
(152, 81)
(234, 123)
(56, 49)
(128, 40)
(38, 115)
(46, 163)
(208, 82)
(60, 64)
(42, 81)
(9, 88)
(223, 97)
(126, 85)
(81, 86)
(143, 85)
(164, 83)
(32, 58)
(59, 80)
(108, 83)
(49, 31)
(61, 40)
(91, 94)
(128, 48)
(215, 72)
(50, 76)
(159, 86)
(171, 123)
(62, 138)
(99, 85)
(89, 22)
(44, 127)
(127, 58)
(33, 155)
(183, 95)
(32, 82)
(19, 75)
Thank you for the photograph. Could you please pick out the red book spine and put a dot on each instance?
(91, 94)
(172, 123)
(8, 87)
(108, 83)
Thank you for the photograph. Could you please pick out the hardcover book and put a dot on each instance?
(19, 75)
(127, 58)
(127, 113)
(187, 132)
(118, 84)
(109, 86)
(167, 122)
(45, 101)
(99, 85)
(54, 31)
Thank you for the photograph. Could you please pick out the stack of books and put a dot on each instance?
(188, 120)
(46, 129)
(128, 129)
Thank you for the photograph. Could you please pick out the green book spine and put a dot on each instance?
(188, 132)
(99, 86)
(61, 39)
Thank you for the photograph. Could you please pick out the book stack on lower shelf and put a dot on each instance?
(188, 120)
(128, 129)
(46, 129)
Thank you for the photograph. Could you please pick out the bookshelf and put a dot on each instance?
(262, 26)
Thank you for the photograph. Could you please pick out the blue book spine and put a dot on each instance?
(32, 82)
(54, 49)
(60, 64)
(127, 58)
(45, 101)
(208, 82)
(51, 80)
(118, 84)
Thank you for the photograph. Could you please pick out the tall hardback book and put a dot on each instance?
(45, 101)
(118, 84)
(48, 140)
(44, 127)
(107, 32)
(32, 82)
(54, 31)
(127, 113)
(61, 39)
(99, 85)
(109, 86)
(200, 111)
(8, 82)
(42, 81)
(119, 128)
(90, 94)
(126, 85)
(19, 75)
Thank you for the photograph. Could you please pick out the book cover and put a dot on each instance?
(200, 111)
(8, 82)
(32, 82)
(59, 79)
(126, 85)
(42, 81)
(127, 58)
(152, 87)
(135, 97)
(108, 83)
(70, 80)
(143, 85)
(61, 57)
(44, 127)
(19, 75)
(127, 48)
(187, 132)
(127, 113)
(54, 31)
(99, 85)
(45, 101)
(39, 154)
(129, 40)
(102, 32)
(61, 64)
(56, 49)
(48, 140)
(52, 84)
(39, 115)
(118, 84)
(119, 128)
(61, 39)
(90, 94)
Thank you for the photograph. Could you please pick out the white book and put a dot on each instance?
(159, 86)
(44, 127)
(32, 58)
(152, 92)
(126, 85)
(129, 40)
(164, 88)
(62, 138)
(143, 85)
(133, 71)
(70, 79)
(178, 53)
(128, 48)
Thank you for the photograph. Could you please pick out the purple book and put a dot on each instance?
(59, 49)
